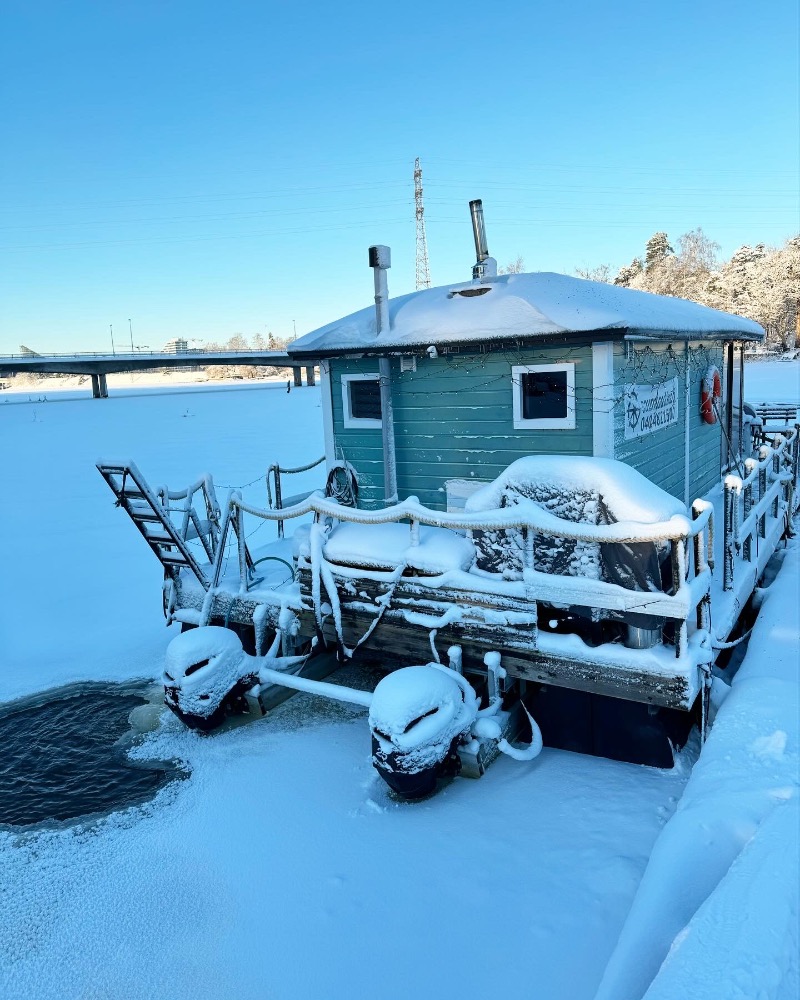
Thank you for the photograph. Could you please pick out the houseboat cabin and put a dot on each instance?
(522, 474)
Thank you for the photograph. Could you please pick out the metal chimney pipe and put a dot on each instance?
(380, 260)
(479, 230)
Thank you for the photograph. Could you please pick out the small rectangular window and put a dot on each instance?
(361, 400)
(544, 396)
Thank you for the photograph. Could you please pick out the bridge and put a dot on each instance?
(98, 366)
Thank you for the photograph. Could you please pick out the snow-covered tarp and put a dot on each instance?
(522, 306)
(595, 491)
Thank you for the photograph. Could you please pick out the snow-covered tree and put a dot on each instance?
(657, 250)
(627, 274)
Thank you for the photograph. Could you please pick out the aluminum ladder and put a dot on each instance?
(151, 519)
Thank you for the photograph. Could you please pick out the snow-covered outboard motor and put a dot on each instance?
(417, 718)
(205, 675)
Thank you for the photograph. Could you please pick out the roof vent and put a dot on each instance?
(471, 293)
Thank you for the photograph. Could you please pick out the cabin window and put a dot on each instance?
(361, 400)
(544, 397)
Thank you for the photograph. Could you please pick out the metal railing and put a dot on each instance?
(768, 488)
(208, 532)
(276, 472)
(691, 580)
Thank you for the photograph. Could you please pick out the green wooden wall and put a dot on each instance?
(454, 420)
(660, 455)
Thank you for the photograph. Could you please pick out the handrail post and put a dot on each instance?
(414, 533)
(223, 537)
(731, 505)
(528, 539)
(243, 578)
(763, 456)
(776, 471)
(701, 564)
(750, 465)
(276, 471)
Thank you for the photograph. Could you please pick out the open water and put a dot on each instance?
(65, 757)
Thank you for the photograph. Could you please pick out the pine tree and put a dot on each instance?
(657, 250)
(627, 274)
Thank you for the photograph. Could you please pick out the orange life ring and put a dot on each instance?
(710, 391)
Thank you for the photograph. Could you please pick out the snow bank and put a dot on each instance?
(521, 306)
(385, 546)
(701, 882)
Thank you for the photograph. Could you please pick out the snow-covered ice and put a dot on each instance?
(282, 867)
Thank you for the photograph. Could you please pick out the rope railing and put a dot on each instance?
(525, 514)
(533, 520)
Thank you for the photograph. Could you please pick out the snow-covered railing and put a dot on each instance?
(690, 582)
(276, 471)
(767, 491)
(206, 530)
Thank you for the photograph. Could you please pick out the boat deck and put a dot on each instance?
(400, 610)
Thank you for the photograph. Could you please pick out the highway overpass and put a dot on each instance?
(98, 366)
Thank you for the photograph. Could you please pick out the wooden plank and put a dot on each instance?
(399, 644)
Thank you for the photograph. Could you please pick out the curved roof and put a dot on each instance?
(521, 306)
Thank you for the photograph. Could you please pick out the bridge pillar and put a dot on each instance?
(310, 375)
(99, 387)
(298, 377)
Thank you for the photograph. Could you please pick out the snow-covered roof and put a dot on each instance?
(521, 306)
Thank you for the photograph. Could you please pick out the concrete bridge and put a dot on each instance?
(98, 366)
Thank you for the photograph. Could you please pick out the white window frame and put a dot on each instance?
(357, 423)
(544, 423)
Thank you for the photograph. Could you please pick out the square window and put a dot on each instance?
(361, 400)
(544, 396)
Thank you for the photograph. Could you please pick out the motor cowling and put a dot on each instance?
(417, 718)
(204, 671)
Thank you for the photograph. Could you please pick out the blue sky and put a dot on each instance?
(205, 169)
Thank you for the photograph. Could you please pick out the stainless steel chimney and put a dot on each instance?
(479, 230)
(485, 266)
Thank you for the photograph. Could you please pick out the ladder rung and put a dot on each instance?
(132, 495)
(168, 561)
(148, 518)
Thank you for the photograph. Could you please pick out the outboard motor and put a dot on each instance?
(205, 675)
(417, 718)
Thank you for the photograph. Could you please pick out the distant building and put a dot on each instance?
(176, 346)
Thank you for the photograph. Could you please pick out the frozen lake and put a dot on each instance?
(281, 867)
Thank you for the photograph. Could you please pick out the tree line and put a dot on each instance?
(760, 282)
(238, 342)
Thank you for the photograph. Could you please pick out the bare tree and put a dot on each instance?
(600, 273)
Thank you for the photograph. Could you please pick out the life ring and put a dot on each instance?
(710, 392)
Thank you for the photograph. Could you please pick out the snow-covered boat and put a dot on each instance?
(551, 485)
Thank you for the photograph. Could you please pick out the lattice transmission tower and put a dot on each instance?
(423, 271)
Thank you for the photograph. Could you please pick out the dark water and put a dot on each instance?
(59, 759)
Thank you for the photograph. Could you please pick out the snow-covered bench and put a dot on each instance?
(387, 546)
